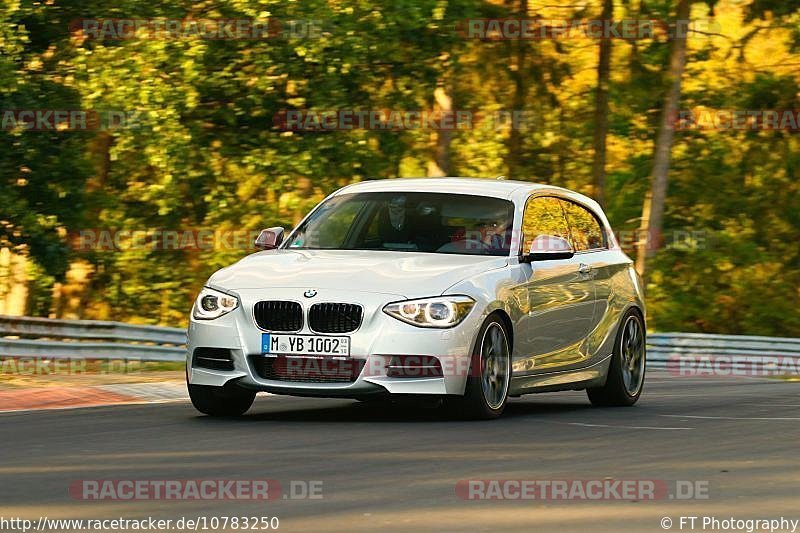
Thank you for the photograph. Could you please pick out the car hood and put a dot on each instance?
(406, 274)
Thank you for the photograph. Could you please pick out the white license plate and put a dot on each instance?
(304, 345)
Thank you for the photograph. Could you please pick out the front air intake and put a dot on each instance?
(307, 369)
(212, 358)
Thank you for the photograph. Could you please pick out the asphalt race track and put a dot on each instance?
(395, 468)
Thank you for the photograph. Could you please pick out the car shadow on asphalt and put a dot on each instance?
(306, 410)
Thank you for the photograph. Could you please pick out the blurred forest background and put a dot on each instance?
(205, 152)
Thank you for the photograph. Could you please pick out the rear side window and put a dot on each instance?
(585, 229)
(544, 215)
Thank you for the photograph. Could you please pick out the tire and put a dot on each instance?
(486, 391)
(230, 400)
(624, 382)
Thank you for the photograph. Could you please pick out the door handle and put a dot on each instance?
(584, 268)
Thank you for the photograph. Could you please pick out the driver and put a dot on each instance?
(494, 232)
(393, 224)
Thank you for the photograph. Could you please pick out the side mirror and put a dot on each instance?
(549, 247)
(269, 238)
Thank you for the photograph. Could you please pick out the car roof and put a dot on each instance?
(498, 188)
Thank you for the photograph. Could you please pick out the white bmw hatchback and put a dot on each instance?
(468, 290)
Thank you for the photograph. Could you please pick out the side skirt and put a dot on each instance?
(590, 376)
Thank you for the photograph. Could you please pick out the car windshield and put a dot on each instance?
(409, 222)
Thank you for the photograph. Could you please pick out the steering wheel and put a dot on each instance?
(464, 244)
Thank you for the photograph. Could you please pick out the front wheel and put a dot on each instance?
(626, 372)
(486, 392)
(230, 400)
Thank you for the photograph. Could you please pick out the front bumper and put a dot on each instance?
(377, 339)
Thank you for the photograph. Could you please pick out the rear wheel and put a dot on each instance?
(230, 400)
(486, 392)
(626, 373)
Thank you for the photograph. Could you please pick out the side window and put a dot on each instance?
(543, 216)
(587, 234)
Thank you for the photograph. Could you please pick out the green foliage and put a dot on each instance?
(202, 151)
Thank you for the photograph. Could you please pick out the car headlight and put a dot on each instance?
(211, 304)
(439, 312)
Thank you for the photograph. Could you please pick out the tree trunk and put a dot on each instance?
(649, 238)
(518, 103)
(62, 305)
(601, 110)
(14, 289)
(440, 165)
